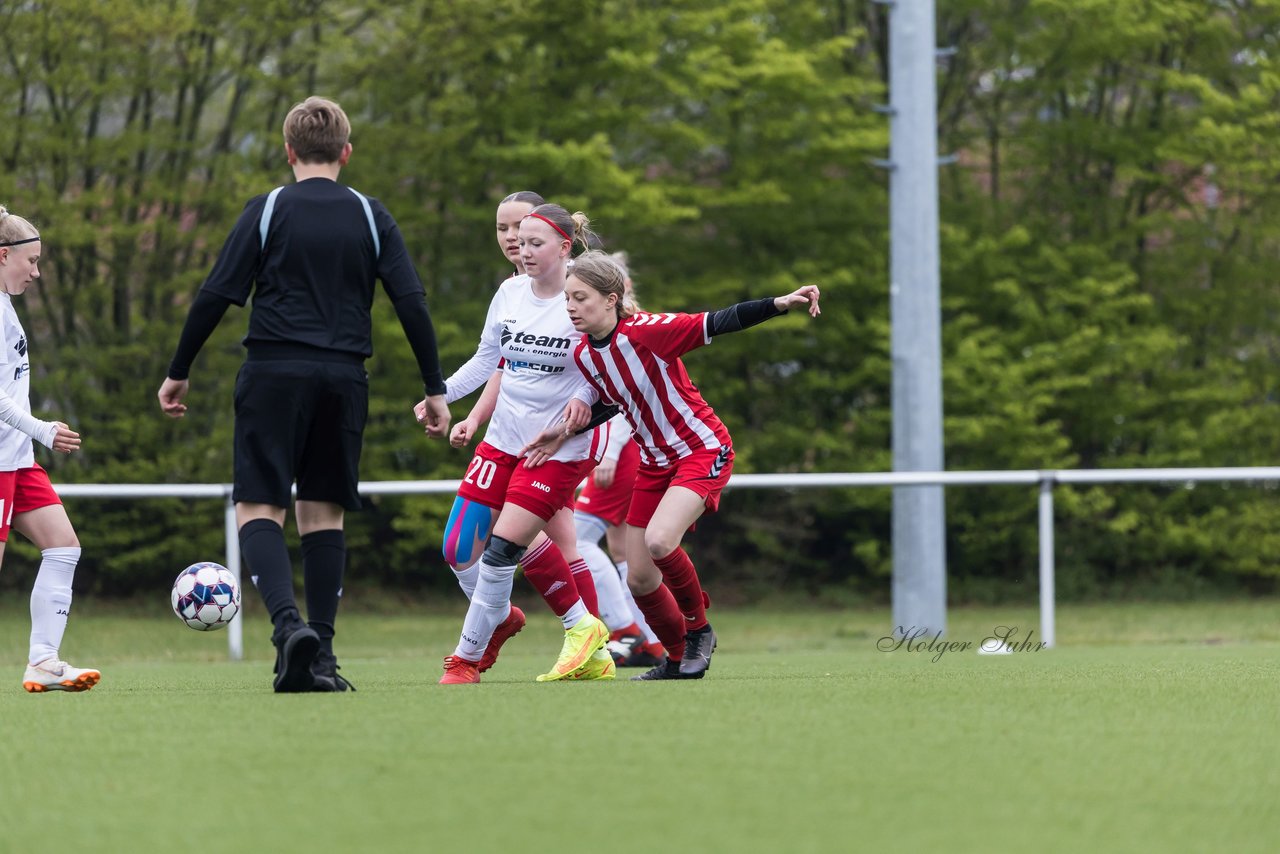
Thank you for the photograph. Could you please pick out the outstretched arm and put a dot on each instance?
(744, 315)
(803, 295)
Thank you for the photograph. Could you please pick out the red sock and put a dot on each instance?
(547, 571)
(678, 574)
(663, 616)
(586, 585)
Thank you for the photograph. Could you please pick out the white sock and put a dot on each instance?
(51, 602)
(467, 579)
(615, 611)
(490, 605)
(631, 603)
(575, 613)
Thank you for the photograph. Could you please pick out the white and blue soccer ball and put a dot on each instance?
(206, 596)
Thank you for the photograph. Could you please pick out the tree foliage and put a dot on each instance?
(1107, 237)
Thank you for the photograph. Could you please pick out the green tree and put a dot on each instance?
(1108, 234)
(1111, 152)
(133, 131)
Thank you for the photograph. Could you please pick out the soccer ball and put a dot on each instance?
(206, 596)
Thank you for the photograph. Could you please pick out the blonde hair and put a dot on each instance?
(14, 228)
(317, 130)
(598, 271)
(575, 227)
(628, 294)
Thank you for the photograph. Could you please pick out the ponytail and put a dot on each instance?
(582, 233)
(575, 227)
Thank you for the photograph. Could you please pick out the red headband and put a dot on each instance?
(552, 224)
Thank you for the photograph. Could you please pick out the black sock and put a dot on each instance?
(324, 557)
(264, 551)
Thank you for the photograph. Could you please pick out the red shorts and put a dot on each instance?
(21, 492)
(610, 502)
(495, 477)
(705, 472)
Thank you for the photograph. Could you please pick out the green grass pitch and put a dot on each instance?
(1149, 728)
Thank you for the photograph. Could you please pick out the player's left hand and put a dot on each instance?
(463, 432)
(804, 295)
(65, 440)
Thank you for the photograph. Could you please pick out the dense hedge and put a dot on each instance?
(1107, 253)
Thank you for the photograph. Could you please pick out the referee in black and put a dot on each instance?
(308, 254)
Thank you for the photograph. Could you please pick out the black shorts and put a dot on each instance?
(299, 421)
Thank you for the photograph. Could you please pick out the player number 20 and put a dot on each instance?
(481, 472)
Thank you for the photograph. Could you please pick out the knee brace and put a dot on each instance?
(502, 552)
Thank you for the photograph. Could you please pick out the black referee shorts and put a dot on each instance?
(303, 421)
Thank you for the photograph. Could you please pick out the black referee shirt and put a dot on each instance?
(313, 283)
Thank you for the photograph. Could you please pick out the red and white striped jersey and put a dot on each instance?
(639, 369)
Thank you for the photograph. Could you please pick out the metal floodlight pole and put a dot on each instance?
(919, 543)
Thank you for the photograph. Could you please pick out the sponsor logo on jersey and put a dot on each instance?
(535, 367)
(21, 349)
(549, 341)
(549, 347)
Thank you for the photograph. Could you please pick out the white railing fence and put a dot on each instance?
(1046, 479)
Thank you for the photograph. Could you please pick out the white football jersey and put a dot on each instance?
(15, 380)
(533, 341)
